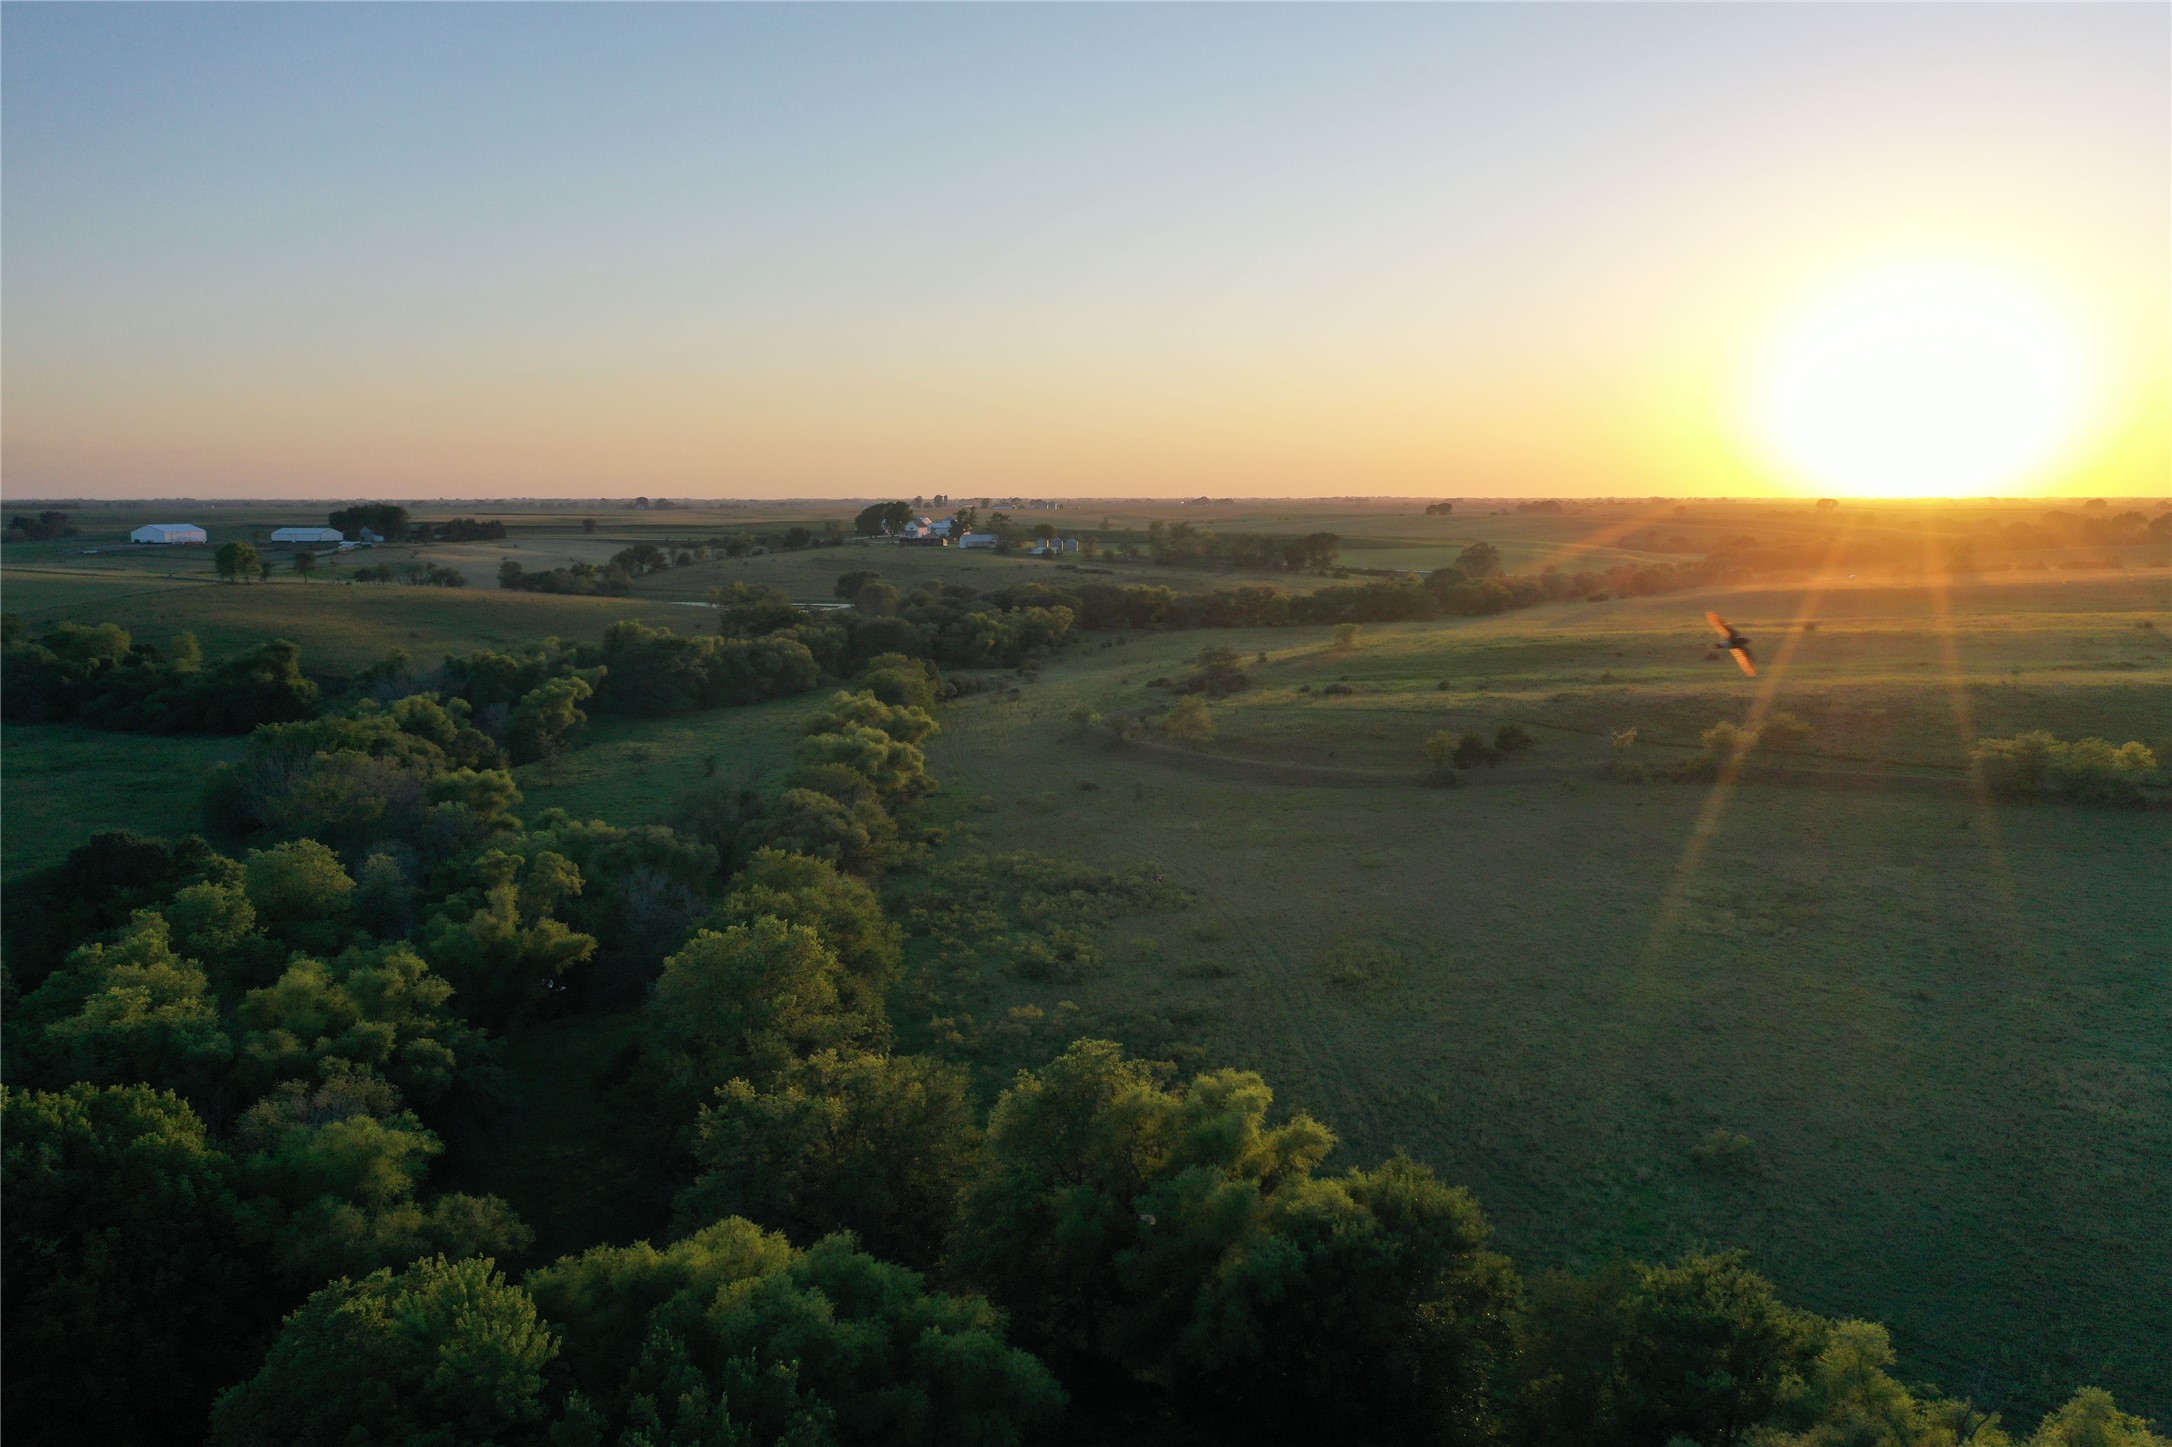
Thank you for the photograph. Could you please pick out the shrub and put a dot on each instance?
(1441, 749)
(2035, 764)
(1472, 750)
(1346, 635)
(1512, 739)
(1783, 733)
(2099, 772)
(1189, 721)
(1724, 745)
(1727, 1153)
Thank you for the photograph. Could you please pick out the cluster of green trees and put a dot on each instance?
(224, 1097)
(1472, 588)
(99, 675)
(462, 530)
(578, 579)
(616, 577)
(1449, 751)
(237, 562)
(2038, 765)
(44, 528)
(943, 623)
(212, 1107)
(882, 517)
(529, 706)
(420, 575)
(388, 520)
(1183, 542)
(636, 669)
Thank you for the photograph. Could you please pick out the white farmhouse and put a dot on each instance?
(308, 535)
(169, 533)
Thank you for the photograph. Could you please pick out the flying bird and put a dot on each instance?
(1736, 644)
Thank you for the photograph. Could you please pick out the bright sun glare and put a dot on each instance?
(1923, 381)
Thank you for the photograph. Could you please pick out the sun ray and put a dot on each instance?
(1605, 537)
(1938, 581)
(1771, 679)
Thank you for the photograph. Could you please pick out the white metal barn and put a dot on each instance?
(308, 535)
(169, 533)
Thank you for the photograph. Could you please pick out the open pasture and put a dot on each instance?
(632, 771)
(340, 625)
(1936, 1031)
(64, 784)
(1885, 674)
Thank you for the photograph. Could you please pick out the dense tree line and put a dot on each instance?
(616, 576)
(264, 1037)
(420, 575)
(466, 530)
(579, 579)
(1183, 542)
(1474, 587)
(102, 677)
(44, 528)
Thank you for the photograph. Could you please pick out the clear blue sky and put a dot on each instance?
(844, 250)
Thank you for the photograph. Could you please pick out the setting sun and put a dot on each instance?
(1926, 380)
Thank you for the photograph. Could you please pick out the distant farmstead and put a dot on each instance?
(169, 533)
(308, 535)
(920, 530)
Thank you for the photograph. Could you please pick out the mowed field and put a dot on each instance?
(1943, 1028)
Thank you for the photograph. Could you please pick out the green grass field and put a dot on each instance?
(63, 784)
(1944, 1028)
(629, 771)
(340, 626)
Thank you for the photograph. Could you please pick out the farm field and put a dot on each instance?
(340, 626)
(1942, 1026)
(1938, 1032)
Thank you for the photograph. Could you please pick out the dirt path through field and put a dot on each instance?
(1275, 771)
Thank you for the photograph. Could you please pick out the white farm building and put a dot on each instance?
(308, 535)
(169, 533)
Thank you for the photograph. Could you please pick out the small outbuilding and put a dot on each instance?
(308, 535)
(169, 533)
